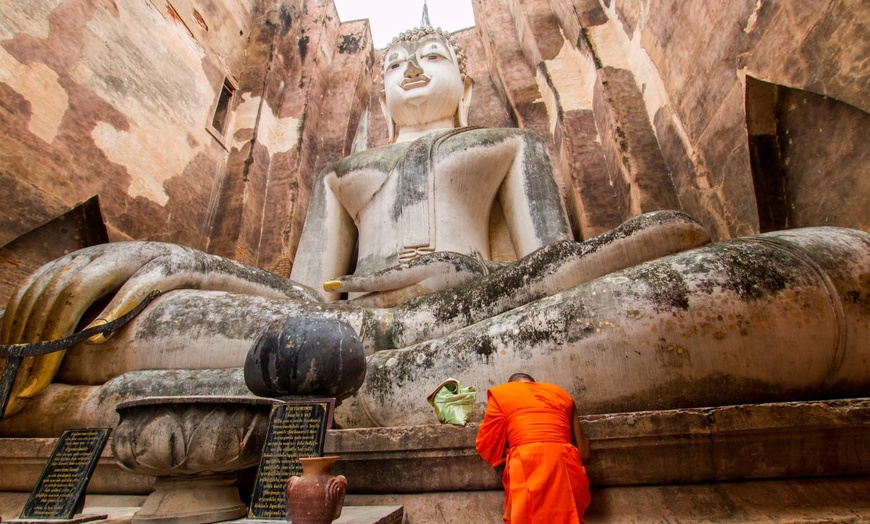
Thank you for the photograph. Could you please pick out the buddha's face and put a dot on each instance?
(422, 82)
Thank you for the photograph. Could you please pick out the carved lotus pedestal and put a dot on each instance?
(195, 446)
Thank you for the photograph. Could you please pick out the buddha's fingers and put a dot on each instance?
(125, 301)
(65, 300)
(393, 278)
(433, 272)
(666, 232)
(24, 320)
(27, 299)
(12, 305)
(14, 404)
(15, 320)
(658, 234)
(43, 302)
(183, 268)
(61, 322)
(37, 295)
(32, 317)
(203, 271)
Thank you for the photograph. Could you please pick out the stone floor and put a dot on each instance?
(838, 500)
(119, 508)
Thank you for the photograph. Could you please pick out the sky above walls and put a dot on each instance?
(390, 17)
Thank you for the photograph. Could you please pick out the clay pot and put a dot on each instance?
(317, 496)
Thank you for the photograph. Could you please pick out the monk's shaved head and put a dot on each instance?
(521, 377)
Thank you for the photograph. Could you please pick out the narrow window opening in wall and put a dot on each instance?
(769, 174)
(809, 155)
(222, 109)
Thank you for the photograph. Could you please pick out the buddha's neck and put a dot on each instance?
(413, 132)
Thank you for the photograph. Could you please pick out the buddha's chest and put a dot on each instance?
(451, 182)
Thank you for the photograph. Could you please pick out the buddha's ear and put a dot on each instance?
(391, 126)
(465, 102)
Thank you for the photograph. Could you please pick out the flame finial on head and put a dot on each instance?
(424, 20)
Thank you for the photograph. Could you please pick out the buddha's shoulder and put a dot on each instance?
(382, 158)
(482, 137)
(385, 158)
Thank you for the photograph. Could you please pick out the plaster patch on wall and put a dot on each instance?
(30, 17)
(166, 84)
(361, 139)
(47, 112)
(245, 117)
(646, 74)
(647, 77)
(326, 49)
(753, 18)
(137, 150)
(573, 77)
(655, 96)
(279, 135)
(164, 95)
(608, 46)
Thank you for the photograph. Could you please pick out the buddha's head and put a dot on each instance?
(424, 82)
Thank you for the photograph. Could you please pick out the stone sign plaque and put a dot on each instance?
(296, 429)
(60, 490)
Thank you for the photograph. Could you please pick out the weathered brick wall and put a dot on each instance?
(304, 75)
(693, 59)
(645, 104)
(113, 99)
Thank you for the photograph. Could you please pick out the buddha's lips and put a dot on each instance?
(412, 83)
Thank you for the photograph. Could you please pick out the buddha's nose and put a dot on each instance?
(413, 69)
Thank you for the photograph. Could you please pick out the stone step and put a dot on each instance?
(729, 443)
(792, 461)
(804, 501)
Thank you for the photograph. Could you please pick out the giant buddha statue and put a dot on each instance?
(399, 244)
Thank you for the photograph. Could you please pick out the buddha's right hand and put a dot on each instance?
(51, 302)
(420, 276)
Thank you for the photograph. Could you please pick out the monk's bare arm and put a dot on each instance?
(578, 436)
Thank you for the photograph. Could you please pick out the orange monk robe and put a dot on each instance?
(544, 478)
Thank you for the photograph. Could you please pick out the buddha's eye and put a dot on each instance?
(394, 65)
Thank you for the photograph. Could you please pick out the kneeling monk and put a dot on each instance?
(532, 427)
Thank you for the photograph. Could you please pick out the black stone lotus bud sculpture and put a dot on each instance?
(306, 357)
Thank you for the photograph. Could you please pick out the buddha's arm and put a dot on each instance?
(328, 239)
(548, 270)
(51, 302)
(530, 198)
(420, 276)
